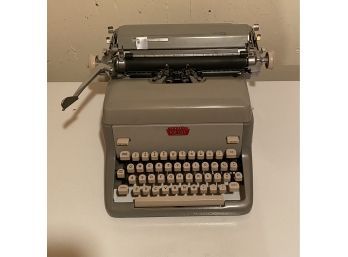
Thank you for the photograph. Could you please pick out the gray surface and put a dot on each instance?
(138, 101)
(181, 36)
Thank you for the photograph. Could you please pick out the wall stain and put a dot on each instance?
(190, 9)
(167, 11)
(72, 53)
(115, 4)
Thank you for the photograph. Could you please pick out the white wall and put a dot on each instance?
(77, 28)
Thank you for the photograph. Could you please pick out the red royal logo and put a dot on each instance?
(178, 131)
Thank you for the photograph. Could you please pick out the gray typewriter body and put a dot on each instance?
(177, 119)
(212, 110)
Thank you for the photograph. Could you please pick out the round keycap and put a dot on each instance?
(209, 155)
(120, 173)
(145, 156)
(177, 167)
(159, 167)
(214, 166)
(198, 177)
(135, 156)
(203, 189)
(130, 168)
(163, 155)
(224, 166)
(191, 155)
(170, 178)
(233, 166)
(222, 188)
(205, 166)
(154, 156)
(132, 179)
(227, 177)
(179, 178)
(172, 155)
(151, 179)
(238, 176)
(145, 190)
(217, 177)
(160, 178)
(200, 155)
(195, 166)
(182, 155)
(174, 189)
(140, 168)
(186, 166)
(219, 155)
(165, 190)
(213, 189)
(136, 191)
(193, 189)
(183, 189)
(168, 167)
(155, 190)
(149, 167)
(142, 179)
(189, 178)
(207, 177)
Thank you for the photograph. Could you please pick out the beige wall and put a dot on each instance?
(78, 27)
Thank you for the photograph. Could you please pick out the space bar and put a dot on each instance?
(172, 201)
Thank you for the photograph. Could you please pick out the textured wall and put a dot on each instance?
(78, 27)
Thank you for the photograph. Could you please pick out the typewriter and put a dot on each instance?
(177, 119)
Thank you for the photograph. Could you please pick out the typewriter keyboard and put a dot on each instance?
(165, 179)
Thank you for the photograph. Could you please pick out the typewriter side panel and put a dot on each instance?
(244, 206)
(109, 169)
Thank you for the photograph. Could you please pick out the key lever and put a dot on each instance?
(99, 69)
